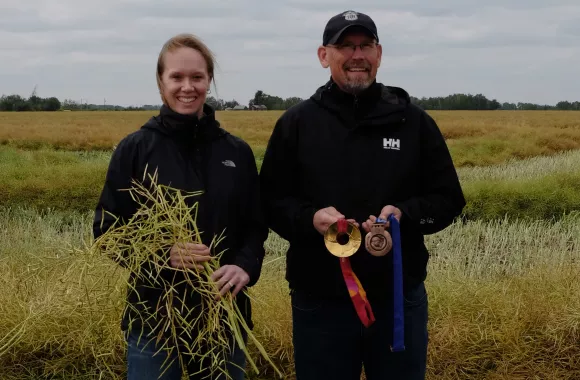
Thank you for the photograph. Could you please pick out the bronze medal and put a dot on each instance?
(378, 241)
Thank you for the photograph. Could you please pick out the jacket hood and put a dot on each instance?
(376, 101)
(187, 127)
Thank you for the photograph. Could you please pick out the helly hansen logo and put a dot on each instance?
(394, 144)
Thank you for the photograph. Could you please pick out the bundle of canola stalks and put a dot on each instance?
(142, 245)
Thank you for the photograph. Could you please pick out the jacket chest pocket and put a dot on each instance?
(386, 165)
(225, 187)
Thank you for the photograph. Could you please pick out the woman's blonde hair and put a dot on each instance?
(189, 41)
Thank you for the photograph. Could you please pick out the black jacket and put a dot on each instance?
(358, 154)
(192, 155)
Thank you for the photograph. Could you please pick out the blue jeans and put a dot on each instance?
(330, 342)
(145, 363)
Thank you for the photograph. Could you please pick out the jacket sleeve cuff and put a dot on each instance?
(405, 215)
(307, 220)
(251, 264)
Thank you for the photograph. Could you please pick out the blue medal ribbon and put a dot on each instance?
(398, 307)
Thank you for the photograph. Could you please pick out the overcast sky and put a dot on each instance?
(510, 50)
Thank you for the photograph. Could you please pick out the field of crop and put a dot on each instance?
(475, 137)
(103, 130)
(503, 283)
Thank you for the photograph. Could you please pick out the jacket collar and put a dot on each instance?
(186, 127)
(376, 102)
(369, 95)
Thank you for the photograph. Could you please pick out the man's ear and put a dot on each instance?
(323, 57)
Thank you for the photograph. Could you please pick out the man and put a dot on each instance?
(355, 150)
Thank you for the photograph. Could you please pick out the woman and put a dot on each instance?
(190, 152)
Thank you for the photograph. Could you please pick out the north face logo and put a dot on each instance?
(394, 144)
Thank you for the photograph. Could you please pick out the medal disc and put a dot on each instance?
(378, 241)
(343, 244)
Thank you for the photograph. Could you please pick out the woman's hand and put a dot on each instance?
(189, 255)
(230, 278)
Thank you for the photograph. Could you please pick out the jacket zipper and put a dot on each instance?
(355, 109)
(197, 159)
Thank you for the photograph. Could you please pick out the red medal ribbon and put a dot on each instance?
(355, 288)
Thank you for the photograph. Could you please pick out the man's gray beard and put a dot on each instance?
(356, 87)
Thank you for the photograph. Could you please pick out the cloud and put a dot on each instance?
(108, 49)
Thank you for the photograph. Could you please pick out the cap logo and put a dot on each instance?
(350, 16)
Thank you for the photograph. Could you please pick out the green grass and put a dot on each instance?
(51, 179)
(539, 187)
(547, 197)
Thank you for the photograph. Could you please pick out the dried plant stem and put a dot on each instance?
(202, 332)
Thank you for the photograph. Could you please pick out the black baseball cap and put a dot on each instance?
(342, 21)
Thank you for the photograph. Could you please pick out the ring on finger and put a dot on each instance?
(230, 284)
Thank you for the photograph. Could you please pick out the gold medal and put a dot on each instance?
(342, 240)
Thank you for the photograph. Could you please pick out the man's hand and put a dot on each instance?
(327, 216)
(230, 277)
(188, 255)
(385, 212)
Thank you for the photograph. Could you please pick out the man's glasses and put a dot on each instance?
(348, 48)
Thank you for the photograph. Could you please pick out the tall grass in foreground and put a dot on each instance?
(504, 301)
(59, 305)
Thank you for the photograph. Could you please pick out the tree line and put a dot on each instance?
(260, 98)
(73, 105)
(33, 103)
(480, 102)
(271, 102)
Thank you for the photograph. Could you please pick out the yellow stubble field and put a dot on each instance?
(475, 138)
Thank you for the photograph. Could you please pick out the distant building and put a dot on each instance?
(258, 107)
(239, 107)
